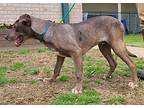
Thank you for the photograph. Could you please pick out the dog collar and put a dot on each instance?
(42, 35)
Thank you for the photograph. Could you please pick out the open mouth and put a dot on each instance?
(19, 40)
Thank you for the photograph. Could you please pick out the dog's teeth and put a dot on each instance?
(16, 43)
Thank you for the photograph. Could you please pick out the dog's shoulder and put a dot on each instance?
(62, 26)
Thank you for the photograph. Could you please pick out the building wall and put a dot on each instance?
(129, 7)
(9, 12)
(76, 14)
(99, 7)
(108, 7)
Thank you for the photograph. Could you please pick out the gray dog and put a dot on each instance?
(74, 40)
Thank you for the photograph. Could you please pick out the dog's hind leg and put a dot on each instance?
(77, 58)
(105, 49)
(120, 49)
(58, 66)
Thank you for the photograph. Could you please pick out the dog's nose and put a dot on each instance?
(6, 37)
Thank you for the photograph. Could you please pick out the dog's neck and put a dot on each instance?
(40, 27)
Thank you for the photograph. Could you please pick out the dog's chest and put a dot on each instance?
(57, 50)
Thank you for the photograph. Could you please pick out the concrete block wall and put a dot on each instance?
(9, 12)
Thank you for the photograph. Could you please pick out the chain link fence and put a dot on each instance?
(130, 19)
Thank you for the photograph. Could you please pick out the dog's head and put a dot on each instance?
(21, 30)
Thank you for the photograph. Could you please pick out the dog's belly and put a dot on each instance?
(85, 50)
(62, 55)
(65, 54)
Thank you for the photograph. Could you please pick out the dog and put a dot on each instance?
(74, 40)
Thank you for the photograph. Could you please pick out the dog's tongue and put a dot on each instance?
(18, 41)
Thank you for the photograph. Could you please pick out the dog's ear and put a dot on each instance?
(37, 25)
(25, 19)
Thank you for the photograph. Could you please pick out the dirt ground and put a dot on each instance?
(139, 51)
(31, 89)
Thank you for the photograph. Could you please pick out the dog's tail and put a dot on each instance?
(131, 54)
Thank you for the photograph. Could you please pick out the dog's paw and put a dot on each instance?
(132, 85)
(77, 90)
(45, 80)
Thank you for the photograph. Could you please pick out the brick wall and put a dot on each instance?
(9, 12)
(76, 14)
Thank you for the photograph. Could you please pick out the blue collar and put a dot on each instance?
(42, 35)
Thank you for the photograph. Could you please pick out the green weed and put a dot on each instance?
(64, 78)
(24, 51)
(31, 71)
(88, 97)
(17, 66)
(116, 100)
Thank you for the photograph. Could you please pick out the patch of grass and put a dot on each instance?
(68, 61)
(86, 84)
(24, 51)
(88, 58)
(90, 70)
(93, 67)
(64, 78)
(88, 97)
(97, 81)
(116, 100)
(31, 71)
(124, 73)
(4, 80)
(122, 70)
(17, 66)
(3, 75)
(140, 63)
(86, 81)
(42, 50)
(140, 66)
(33, 81)
(12, 81)
(65, 69)
(3, 71)
(47, 71)
(134, 40)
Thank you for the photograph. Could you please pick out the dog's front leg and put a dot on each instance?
(58, 66)
(77, 58)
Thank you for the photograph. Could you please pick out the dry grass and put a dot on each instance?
(27, 69)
